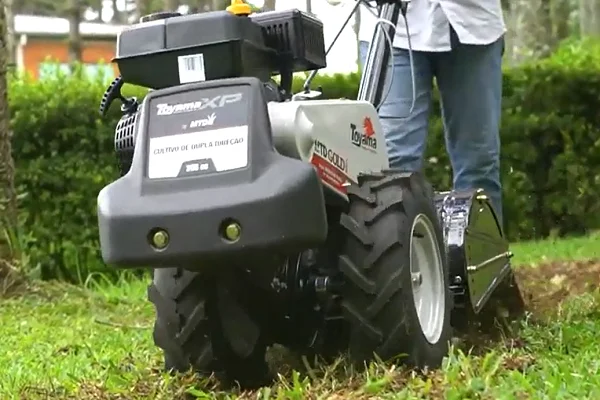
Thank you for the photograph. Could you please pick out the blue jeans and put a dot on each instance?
(469, 79)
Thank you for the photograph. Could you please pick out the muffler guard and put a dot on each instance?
(481, 277)
(204, 159)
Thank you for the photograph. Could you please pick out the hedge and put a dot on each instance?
(550, 155)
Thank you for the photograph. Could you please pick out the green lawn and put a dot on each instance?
(535, 252)
(66, 342)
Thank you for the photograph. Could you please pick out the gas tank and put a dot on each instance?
(341, 138)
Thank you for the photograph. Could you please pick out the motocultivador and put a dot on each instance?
(271, 218)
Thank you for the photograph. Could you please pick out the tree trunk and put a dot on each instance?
(589, 15)
(269, 5)
(171, 5)
(530, 28)
(193, 6)
(117, 17)
(219, 5)
(560, 13)
(11, 43)
(207, 5)
(509, 37)
(8, 197)
(75, 45)
(143, 7)
(204, 5)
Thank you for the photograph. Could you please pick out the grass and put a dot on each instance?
(64, 342)
(573, 249)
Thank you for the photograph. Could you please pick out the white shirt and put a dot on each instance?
(477, 22)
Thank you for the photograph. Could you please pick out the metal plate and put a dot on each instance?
(477, 250)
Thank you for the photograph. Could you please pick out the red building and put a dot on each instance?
(42, 43)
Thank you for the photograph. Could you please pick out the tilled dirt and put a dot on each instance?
(545, 286)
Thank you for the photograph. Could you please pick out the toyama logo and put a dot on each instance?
(365, 139)
(214, 103)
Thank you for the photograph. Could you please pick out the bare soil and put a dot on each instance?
(546, 286)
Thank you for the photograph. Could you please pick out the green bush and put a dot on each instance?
(550, 155)
(63, 153)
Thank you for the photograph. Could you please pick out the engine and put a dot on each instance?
(209, 46)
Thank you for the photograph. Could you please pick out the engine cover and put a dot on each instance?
(204, 160)
(191, 48)
(170, 49)
(341, 138)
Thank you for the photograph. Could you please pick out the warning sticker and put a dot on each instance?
(329, 173)
(224, 149)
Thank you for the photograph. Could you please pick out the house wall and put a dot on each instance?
(37, 50)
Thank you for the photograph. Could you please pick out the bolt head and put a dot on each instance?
(233, 231)
(417, 278)
(160, 239)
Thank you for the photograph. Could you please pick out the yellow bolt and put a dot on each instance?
(239, 7)
(160, 239)
(233, 231)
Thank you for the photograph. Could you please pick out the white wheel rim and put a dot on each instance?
(427, 278)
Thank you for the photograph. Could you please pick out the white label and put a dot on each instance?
(191, 68)
(226, 147)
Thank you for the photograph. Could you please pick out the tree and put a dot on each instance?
(171, 5)
(37, 7)
(589, 17)
(197, 6)
(74, 11)
(8, 197)
(269, 5)
(560, 14)
(10, 32)
(143, 7)
(530, 29)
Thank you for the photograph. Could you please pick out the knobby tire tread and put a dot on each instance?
(374, 296)
(189, 331)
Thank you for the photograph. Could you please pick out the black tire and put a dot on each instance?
(377, 298)
(188, 329)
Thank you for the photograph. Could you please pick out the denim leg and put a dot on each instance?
(470, 82)
(406, 134)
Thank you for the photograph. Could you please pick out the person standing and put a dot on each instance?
(460, 43)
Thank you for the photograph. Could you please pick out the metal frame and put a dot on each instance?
(376, 64)
(375, 72)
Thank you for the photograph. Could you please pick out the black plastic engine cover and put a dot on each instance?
(477, 250)
(204, 155)
(191, 48)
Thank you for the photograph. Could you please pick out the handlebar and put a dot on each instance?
(375, 73)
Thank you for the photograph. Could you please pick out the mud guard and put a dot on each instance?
(479, 257)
